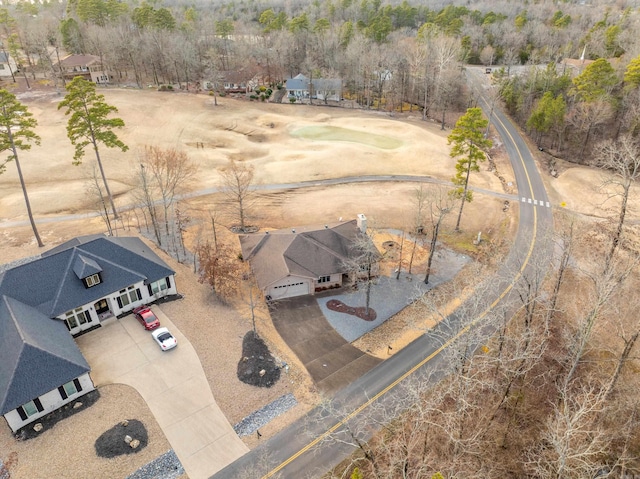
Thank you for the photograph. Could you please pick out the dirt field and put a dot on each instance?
(260, 135)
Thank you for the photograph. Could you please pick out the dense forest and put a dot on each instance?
(391, 56)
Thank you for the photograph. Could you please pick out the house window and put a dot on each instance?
(324, 279)
(92, 280)
(1, 66)
(69, 389)
(128, 296)
(75, 318)
(158, 286)
(30, 409)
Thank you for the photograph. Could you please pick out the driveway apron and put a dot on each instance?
(174, 386)
(331, 361)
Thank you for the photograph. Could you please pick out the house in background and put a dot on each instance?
(7, 65)
(302, 88)
(302, 260)
(87, 66)
(67, 291)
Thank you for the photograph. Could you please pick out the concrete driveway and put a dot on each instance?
(174, 386)
(330, 360)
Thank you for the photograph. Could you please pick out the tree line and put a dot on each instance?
(390, 56)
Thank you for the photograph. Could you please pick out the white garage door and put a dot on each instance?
(296, 288)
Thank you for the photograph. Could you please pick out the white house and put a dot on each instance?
(69, 289)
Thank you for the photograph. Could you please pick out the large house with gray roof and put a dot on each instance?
(66, 291)
(302, 88)
(303, 260)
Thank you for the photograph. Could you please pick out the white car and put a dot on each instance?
(164, 339)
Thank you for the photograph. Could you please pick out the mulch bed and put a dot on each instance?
(257, 359)
(111, 443)
(48, 421)
(360, 312)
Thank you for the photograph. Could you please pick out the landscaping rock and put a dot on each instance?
(110, 443)
(256, 366)
(124, 423)
(37, 427)
(77, 405)
(127, 439)
(134, 444)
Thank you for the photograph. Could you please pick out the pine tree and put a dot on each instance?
(89, 124)
(16, 133)
(468, 143)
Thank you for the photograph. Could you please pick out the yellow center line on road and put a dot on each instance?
(444, 346)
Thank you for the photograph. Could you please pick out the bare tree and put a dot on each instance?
(237, 189)
(146, 196)
(573, 443)
(440, 205)
(94, 189)
(220, 268)
(363, 264)
(622, 158)
(171, 171)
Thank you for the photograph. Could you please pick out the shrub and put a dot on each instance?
(210, 93)
(268, 92)
(262, 89)
(292, 99)
(253, 97)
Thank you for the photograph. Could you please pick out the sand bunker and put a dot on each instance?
(335, 133)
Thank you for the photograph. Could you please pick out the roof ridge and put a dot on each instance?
(323, 246)
(77, 250)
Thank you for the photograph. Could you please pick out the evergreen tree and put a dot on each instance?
(16, 133)
(468, 143)
(89, 124)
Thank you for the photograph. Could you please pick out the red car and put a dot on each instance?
(146, 317)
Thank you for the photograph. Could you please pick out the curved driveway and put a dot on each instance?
(174, 386)
(303, 449)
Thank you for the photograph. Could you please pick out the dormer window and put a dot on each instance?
(92, 280)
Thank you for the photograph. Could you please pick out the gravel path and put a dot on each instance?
(262, 416)
(167, 466)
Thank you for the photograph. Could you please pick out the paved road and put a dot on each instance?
(309, 447)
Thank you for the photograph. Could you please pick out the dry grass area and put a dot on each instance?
(259, 135)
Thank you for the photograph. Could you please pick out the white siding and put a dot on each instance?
(116, 310)
(50, 402)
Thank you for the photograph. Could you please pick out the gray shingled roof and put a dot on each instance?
(310, 252)
(298, 82)
(37, 354)
(84, 266)
(51, 286)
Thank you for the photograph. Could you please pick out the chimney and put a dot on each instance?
(362, 223)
